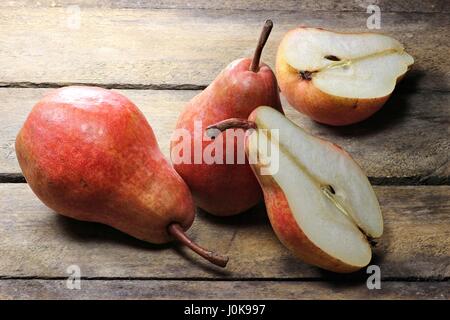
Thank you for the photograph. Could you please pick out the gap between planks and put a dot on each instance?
(376, 181)
(54, 85)
(337, 278)
(155, 86)
(402, 6)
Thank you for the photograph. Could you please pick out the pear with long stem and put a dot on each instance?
(89, 153)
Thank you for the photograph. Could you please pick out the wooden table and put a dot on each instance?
(161, 54)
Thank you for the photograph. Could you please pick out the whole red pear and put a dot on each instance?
(245, 84)
(89, 153)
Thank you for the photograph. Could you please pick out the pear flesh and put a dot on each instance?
(327, 193)
(361, 66)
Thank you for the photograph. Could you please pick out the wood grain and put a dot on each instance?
(174, 44)
(38, 243)
(406, 142)
(163, 289)
(272, 5)
(172, 48)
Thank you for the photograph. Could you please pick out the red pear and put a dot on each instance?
(88, 153)
(227, 188)
(320, 203)
(339, 78)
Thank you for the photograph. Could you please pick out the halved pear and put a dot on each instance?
(339, 78)
(319, 201)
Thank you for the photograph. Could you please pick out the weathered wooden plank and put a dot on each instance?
(406, 141)
(273, 5)
(185, 48)
(37, 243)
(160, 289)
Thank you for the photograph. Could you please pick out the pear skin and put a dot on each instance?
(226, 189)
(89, 153)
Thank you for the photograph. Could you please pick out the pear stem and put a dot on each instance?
(232, 123)
(261, 42)
(178, 233)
